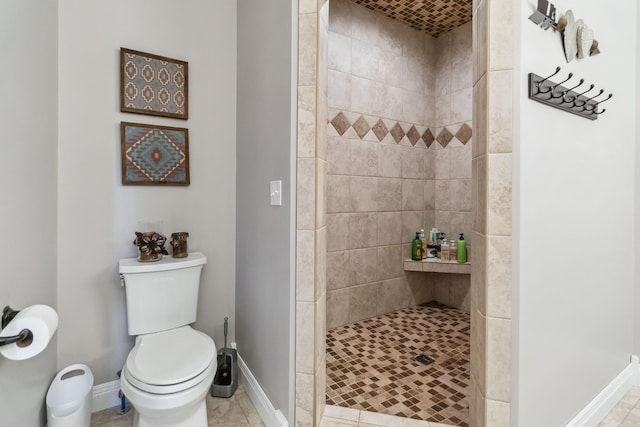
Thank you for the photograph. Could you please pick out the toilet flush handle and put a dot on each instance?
(121, 280)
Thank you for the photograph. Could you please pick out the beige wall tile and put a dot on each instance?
(306, 121)
(499, 280)
(500, 33)
(320, 332)
(364, 193)
(365, 60)
(481, 38)
(339, 91)
(367, 96)
(443, 195)
(412, 163)
(393, 101)
(430, 194)
(460, 162)
(338, 270)
(305, 399)
(443, 164)
(389, 228)
(480, 119)
(499, 359)
(338, 155)
(389, 197)
(321, 262)
(363, 266)
(338, 194)
(340, 16)
(413, 195)
(364, 158)
(498, 414)
(389, 161)
(481, 215)
(337, 232)
(363, 25)
(499, 208)
(307, 6)
(477, 405)
(305, 318)
(411, 223)
(363, 230)
(339, 52)
(461, 195)
(429, 157)
(390, 262)
(479, 271)
(321, 193)
(443, 110)
(363, 301)
(500, 110)
(478, 348)
(393, 295)
(306, 194)
(305, 265)
(322, 131)
(337, 308)
(461, 105)
(307, 48)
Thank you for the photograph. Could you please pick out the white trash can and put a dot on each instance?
(69, 398)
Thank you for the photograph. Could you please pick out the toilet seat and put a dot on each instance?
(170, 361)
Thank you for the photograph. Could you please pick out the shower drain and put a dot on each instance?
(424, 359)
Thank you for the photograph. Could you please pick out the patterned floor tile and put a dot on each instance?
(372, 366)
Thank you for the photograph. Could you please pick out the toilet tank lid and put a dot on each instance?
(132, 265)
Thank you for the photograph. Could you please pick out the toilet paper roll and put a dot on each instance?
(41, 320)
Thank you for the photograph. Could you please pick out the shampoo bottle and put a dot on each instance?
(416, 248)
(424, 243)
(444, 250)
(462, 250)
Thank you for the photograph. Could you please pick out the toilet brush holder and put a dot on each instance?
(225, 381)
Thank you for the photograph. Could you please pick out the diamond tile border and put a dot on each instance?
(362, 126)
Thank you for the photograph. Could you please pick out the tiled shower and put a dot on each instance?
(399, 138)
(398, 159)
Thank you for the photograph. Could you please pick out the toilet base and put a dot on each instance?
(197, 418)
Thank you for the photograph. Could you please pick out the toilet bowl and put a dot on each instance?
(167, 376)
(171, 367)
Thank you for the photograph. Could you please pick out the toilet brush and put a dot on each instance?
(223, 376)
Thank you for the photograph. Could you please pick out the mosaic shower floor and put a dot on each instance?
(372, 366)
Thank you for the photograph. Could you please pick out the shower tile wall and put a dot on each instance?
(398, 159)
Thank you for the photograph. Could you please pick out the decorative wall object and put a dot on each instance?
(555, 95)
(577, 38)
(154, 155)
(151, 246)
(153, 85)
(179, 244)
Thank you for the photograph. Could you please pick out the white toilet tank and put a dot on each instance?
(161, 295)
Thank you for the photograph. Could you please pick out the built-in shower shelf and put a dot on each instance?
(434, 265)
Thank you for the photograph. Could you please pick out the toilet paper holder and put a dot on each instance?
(23, 339)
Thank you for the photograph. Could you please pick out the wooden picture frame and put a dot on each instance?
(153, 85)
(154, 155)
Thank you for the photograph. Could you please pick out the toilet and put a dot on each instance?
(170, 369)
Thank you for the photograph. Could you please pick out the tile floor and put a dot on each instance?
(626, 413)
(372, 367)
(236, 411)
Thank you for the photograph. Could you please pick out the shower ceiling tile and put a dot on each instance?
(433, 17)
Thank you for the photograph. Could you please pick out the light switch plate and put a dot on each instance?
(275, 191)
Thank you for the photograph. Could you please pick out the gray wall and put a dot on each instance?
(263, 232)
(97, 214)
(28, 90)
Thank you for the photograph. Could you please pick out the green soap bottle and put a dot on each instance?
(416, 248)
(461, 254)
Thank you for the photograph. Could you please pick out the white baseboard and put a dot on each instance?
(271, 416)
(105, 395)
(607, 399)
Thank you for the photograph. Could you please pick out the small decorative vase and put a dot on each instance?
(150, 245)
(179, 244)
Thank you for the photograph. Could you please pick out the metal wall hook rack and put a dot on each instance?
(545, 91)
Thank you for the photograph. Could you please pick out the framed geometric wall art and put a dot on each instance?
(154, 155)
(153, 85)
